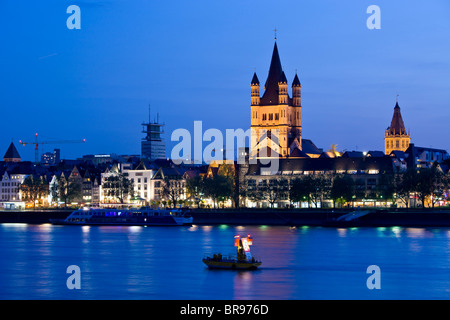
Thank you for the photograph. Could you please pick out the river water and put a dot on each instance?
(165, 262)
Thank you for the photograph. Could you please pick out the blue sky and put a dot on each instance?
(194, 60)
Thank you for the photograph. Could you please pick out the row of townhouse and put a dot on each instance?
(147, 180)
(81, 182)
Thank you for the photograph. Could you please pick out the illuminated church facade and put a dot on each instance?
(276, 117)
(395, 137)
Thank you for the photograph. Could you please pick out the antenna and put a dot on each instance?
(149, 120)
(275, 31)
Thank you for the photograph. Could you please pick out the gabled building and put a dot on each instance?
(12, 177)
(141, 179)
(174, 178)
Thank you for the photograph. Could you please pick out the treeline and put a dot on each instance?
(428, 184)
(35, 189)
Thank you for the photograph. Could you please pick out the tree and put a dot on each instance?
(404, 184)
(67, 191)
(430, 183)
(301, 189)
(275, 191)
(118, 186)
(228, 171)
(218, 188)
(74, 191)
(250, 190)
(34, 189)
(341, 189)
(310, 188)
(195, 188)
(386, 187)
(173, 190)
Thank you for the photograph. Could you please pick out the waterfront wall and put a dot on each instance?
(309, 217)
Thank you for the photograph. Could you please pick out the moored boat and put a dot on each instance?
(243, 261)
(144, 216)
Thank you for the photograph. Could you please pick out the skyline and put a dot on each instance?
(195, 62)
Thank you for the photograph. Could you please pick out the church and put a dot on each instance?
(276, 117)
(395, 137)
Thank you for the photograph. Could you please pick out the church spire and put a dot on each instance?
(397, 125)
(11, 155)
(270, 96)
(395, 136)
(296, 82)
(255, 80)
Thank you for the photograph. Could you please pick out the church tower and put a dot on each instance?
(395, 136)
(275, 117)
(11, 155)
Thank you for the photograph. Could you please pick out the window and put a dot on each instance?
(277, 116)
(270, 116)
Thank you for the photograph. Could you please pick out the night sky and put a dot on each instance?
(194, 60)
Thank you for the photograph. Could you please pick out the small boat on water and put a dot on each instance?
(144, 216)
(243, 261)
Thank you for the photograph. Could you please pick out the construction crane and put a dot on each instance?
(37, 143)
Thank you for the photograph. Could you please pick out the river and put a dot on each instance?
(165, 262)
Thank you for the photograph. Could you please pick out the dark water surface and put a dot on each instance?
(165, 262)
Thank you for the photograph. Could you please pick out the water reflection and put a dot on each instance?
(165, 263)
(342, 232)
(418, 233)
(14, 225)
(397, 231)
(243, 286)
